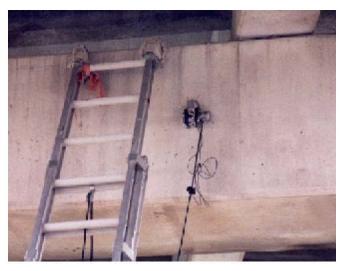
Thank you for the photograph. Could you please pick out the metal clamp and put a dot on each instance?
(79, 55)
(155, 47)
(141, 161)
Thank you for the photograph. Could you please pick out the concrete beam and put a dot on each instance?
(248, 24)
(271, 224)
(231, 256)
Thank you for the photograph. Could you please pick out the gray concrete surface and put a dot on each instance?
(272, 130)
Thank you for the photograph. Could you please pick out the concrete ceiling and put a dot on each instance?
(32, 28)
(57, 32)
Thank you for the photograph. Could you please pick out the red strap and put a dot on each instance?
(94, 80)
(95, 84)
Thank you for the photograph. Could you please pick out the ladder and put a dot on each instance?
(127, 225)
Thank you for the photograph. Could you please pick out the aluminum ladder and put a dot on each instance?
(127, 224)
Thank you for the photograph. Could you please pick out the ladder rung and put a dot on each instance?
(84, 189)
(96, 139)
(80, 225)
(106, 101)
(85, 181)
(117, 65)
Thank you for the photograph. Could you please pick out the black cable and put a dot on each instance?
(84, 244)
(91, 256)
(85, 231)
(89, 215)
(191, 189)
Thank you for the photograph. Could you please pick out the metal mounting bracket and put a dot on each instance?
(141, 161)
(153, 46)
(79, 55)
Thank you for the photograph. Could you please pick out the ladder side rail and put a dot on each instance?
(124, 213)
(66, 118)
(135, 213)
(143, 105)
(136, 148)
(53, 169)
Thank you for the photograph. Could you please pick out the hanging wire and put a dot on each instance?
(89, 215)
(191, 189)
(206, 169)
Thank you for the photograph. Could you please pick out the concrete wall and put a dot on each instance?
(263, 23)
(272, 130)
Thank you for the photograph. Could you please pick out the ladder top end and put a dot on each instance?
(153, 48)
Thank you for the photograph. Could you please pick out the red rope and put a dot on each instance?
(94, 80)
